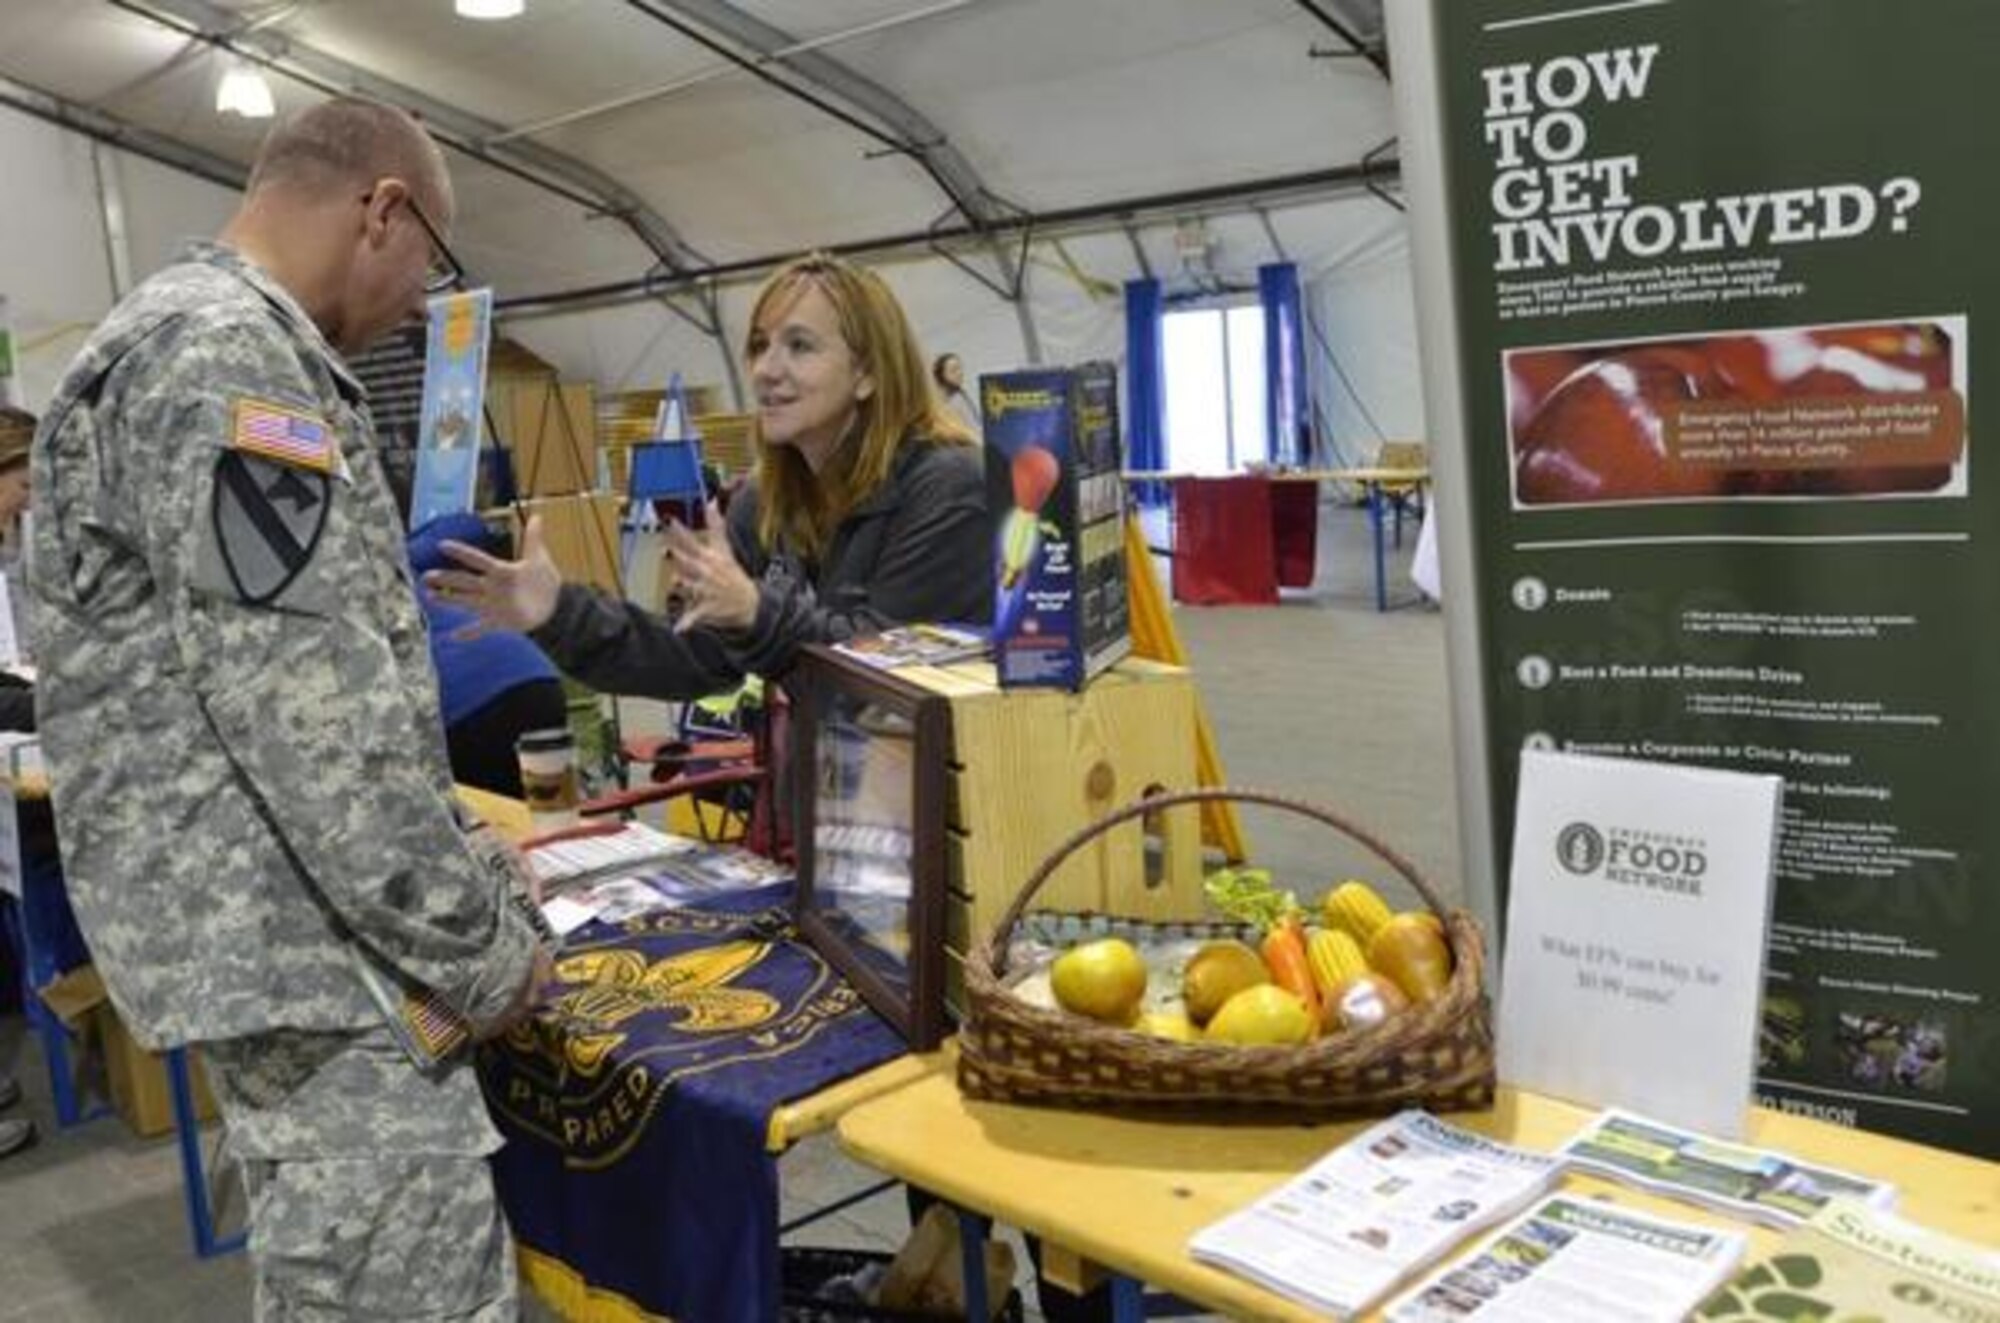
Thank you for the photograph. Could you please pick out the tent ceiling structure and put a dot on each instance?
(988, 107)
(666, 152)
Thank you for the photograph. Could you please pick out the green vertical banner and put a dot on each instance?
(1720, 270)
(10, 381)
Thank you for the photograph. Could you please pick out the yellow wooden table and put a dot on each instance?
(1124, 1196)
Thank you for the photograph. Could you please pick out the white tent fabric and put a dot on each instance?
(1112, 121)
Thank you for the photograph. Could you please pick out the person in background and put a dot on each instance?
(949, 373)
(17, 696)
(867, 508)
(17, 433)
(493, 685)
(242, 732)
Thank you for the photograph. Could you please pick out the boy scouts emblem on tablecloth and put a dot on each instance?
(271, 497)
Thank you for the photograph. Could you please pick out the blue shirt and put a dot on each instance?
(471, 672)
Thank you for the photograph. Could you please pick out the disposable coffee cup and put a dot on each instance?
(548, 778)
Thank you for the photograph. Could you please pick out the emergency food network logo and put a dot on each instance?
(1631, 856)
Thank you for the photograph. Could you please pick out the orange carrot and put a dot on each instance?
(1284, 951)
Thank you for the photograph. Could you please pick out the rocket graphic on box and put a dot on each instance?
(1052, 479)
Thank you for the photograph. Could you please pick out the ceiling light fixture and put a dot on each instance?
(490, 9)
(244, 92)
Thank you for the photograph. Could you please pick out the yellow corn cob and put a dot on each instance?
(1355, 909)
(1335, 957)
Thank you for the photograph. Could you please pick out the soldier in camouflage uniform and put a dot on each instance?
(242, 728)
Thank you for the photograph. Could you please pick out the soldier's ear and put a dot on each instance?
(378, 205)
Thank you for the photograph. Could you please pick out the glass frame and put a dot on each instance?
(821, 678)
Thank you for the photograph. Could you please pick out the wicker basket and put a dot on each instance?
(1438, 1055)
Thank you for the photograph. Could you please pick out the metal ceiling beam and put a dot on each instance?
(709, 73)
(1279, 191)
(1373, 52)
(901, 127)
(112, 131)
(465, 132)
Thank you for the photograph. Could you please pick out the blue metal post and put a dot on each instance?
(194, 1180)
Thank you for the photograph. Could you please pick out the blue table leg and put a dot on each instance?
(1375, 531)
(1128, 1300)
(972, 1229)
(194, 1180)
(41, 880)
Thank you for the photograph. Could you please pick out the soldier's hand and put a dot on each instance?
(517, 595)
(541, 974)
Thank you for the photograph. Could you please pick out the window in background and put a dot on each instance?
(1215, 389)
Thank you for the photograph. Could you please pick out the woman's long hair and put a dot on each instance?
(799, 507)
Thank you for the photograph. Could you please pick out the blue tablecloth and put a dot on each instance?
(636, 1105)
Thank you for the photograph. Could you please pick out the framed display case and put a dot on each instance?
(869, 765)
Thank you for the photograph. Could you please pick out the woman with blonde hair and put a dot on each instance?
(867, 509)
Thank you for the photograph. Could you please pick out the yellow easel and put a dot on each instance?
(1153, 637)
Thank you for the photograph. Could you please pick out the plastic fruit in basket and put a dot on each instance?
(1354, 908)
(1168, 1024)
(1335, 957)
(1104, 979)
(1263, 1016)
(1410, 951)
(1216, 973)
(1362, 1002)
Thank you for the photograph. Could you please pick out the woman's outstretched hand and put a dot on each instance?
(715, 590)
(517, 595)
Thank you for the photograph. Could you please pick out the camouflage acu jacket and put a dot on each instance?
(237, 705)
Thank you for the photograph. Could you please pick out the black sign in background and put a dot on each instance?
(1840, 628)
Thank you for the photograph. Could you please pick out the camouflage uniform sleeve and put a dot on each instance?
(310, 673)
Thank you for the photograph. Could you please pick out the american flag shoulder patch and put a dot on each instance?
(286, 435)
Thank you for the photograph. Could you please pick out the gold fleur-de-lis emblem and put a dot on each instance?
(603, 989)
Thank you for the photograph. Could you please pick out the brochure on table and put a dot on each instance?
(1341, 1234)
(1759, 1184)
(1855, 1262)
(1712, 284)
(1574, 1260)
(1639, 898)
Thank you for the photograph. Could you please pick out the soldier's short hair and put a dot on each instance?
(346, 142)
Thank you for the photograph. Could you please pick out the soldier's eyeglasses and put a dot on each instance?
(445, 272)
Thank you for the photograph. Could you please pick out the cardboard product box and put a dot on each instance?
(1052, 479)
(581, 532)
(135, 1079)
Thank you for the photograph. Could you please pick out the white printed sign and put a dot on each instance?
(1634, 964)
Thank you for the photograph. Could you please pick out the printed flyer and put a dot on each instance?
(1722, 275)
(454, 411)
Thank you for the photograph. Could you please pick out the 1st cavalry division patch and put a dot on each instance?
(271, 497)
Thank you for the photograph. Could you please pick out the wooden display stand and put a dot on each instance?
(550, 430)
(581, 533)
(1031, 767)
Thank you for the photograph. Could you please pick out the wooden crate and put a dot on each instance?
(1031, 767)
